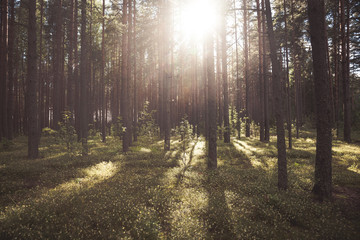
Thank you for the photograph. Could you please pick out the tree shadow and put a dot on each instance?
(218, 214)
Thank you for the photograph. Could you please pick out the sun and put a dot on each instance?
(198, 18)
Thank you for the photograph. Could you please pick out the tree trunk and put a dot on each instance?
(278, 96)
(4, 69)
(225, 76)
(102, 76)
(33, 137)
(287, 80)
(323, 185)
(238, 81)
(57, 89)
(266, 80)
(70, 68)
(166, 73)
(135, 130)
(125, 81)
(84, 84)
(345, 75)
(261, 74)
(10, 99)
(246, 72)
(212, 132)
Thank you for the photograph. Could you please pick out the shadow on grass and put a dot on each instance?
(217, 216)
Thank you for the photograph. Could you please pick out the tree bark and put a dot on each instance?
(11, 78)
(166, 74)
(345, 74)
(278, 96)
(124, 109)
(57, 89)
(31, 90)
(246, 72)
(84, 84)
(225, 76)
(238, 81)
(323, 175)
(261, 74)
(212, 132)
(102, 76)
(4, 69)
(287, 80)
(266, 80)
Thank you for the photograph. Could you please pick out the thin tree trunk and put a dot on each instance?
(278, 96)
(246, 70)
(125, 81)
(129, 132)
(238, 81)
(212, 132)
(287, 80)
(57, 66)
(102, 76)
(84, 84)
(323, 176)
(31, 90)
(135, 130)
(266, 81)
(4, 69)
(345, 73)
(10, 100)
(225, 76)
(70, 68)
(166, 74)
(261, 74)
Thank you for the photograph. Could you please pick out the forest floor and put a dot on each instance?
(152, 194)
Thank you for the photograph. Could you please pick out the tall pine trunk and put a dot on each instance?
(84, 84)
(278, 97)
(225, 76)
(323, 175)
(31, 90)
(124, 109)
(246, 72)
(212, 147)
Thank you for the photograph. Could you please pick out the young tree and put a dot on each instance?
(31, 90)
(278, 96)
(323, 175)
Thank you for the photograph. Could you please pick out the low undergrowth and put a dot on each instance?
(151, 194)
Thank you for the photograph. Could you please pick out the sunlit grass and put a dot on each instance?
(152, 194)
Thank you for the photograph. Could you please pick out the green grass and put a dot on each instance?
(152, 194)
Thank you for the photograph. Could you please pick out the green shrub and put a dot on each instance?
(147, 125)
